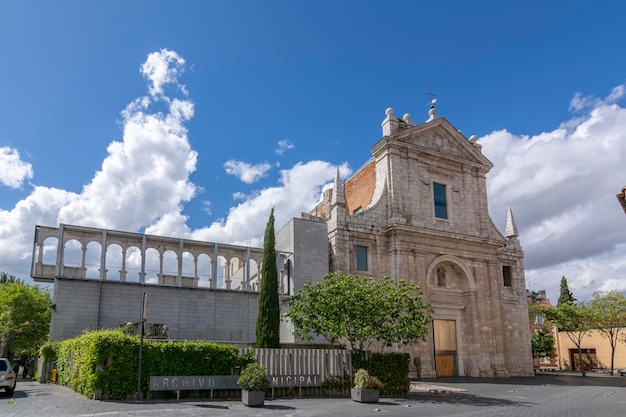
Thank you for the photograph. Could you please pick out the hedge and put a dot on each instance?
(107, 360)
(391, 368)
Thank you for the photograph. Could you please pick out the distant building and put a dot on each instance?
(596, 352)
(417, 210)
(550, 361)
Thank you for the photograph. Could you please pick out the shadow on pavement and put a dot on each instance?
(539, 379)
(277, 407)
(462, 399)
(212, 406)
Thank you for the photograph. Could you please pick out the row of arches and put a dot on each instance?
(153, 260)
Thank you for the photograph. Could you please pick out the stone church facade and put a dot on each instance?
(417, 210)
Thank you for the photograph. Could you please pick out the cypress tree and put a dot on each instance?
(268, 319)
(565, 296)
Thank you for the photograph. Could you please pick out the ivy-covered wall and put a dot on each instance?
(106, 362)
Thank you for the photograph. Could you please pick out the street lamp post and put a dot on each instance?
(144, 319)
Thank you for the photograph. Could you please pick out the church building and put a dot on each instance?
(417, 210)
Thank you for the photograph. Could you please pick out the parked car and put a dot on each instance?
(8, 377)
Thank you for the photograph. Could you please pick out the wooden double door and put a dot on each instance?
(445, 348)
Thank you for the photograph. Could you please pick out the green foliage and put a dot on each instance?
(268, 319)
(49, 352)
(392, 368)
(565, 295)
(337, 383)
(608, 315)
(24, 317)
(6, 278)
(360, 310)
(573, 318)
(363, 380)
(254, 378)
(108, 360)
(542, 343)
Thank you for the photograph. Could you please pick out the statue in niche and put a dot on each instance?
(441, 276)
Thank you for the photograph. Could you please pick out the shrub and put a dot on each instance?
(363, 380)
(254, 378)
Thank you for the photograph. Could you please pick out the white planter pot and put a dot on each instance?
(252, 398)
(364, 395)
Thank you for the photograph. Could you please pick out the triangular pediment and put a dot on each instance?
(440, 138)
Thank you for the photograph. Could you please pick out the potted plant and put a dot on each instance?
(254, 381)
(366, 387)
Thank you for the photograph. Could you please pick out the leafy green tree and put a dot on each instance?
(4, 278)
(542, 343)
(360, 311)
(565, 295)
(575, 320)
(534, 310)
(608, 314)
(24, 318)
(268, 319)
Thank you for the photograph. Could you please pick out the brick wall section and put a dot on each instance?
(359, 189)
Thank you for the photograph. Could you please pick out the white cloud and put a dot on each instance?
(562, 186)
(145, 177)
(298, 191)
(13, 171)
(162, 68)
(247, 173)
(17, 227)
(283, 145)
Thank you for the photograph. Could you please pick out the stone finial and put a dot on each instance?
(390, 125)
(511, 228)
(432, 114)
(338, 193)
(406, 117)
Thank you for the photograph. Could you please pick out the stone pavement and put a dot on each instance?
(544, 395)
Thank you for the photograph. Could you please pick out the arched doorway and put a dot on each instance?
(450, 285)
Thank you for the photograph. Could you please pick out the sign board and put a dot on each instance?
(206, 382)
(286, 381)
(196, 382)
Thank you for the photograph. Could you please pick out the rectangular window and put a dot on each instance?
(540, 319)
(506, 275)
(441, 208)
(544, 359)
(361, 258)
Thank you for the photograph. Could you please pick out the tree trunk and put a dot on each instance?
(580, 361)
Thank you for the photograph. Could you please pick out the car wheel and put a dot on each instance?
(10, 390)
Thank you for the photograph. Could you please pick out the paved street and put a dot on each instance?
(542, 396)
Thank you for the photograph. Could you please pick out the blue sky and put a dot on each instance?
(195, 118)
